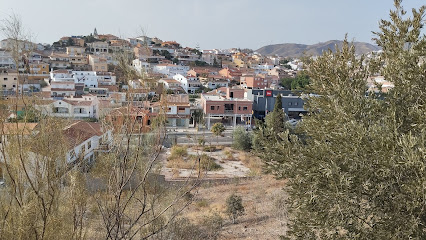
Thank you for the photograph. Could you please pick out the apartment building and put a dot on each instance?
(227, 105)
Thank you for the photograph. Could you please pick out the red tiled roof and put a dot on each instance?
(80, 131)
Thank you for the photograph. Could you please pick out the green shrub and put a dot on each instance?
(242, 139)
(234, 207)
(178, 152)
(209, 148)
(206, 163)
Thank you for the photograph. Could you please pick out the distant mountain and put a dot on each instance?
(297, 50)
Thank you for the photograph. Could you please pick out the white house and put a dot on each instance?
(106, 78)
(262, 68)
(170, 69)
(188, 83)
(77, 108)
(6, 59)
(140, 66)
(213, 84)
(84, 139)
(171, 84)
(89, 78)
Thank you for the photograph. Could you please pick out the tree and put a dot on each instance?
(45, 196)
(241, 139)
(200, 63)
(215, 63)
(300, 82)
(358, 172)
(234, 207)
(70, 42)
(286, 82)
(276, 119)
(284, 61)
(217, 130)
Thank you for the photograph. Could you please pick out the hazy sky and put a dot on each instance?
(206, 23)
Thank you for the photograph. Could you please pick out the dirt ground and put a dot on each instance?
(231, 163)
(262, 196)
(265, 214)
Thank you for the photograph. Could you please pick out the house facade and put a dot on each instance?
(177, 109)
(84, 140)
(76, 108)
(228, 106)
(171, 69)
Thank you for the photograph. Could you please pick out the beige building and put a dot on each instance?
(98, 47)
(38, 71)
(98, 64)
(75, 51)
(8, 80)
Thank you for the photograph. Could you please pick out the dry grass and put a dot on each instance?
(229, 154)
(206, 163)
(262, 200)
(178, 152)
(251, 161)
(180, 163)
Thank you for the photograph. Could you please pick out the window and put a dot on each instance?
(289, 103)
(89, 144)
(3, 86)
(181, 109)
(211, 107)
(244, 108)
(5, 79)
(295, 104)
(72, 154)
(239, 108)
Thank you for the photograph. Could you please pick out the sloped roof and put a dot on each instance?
(18, 128)
(78, 103)
(80, 131)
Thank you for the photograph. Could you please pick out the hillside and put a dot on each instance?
(297, 50)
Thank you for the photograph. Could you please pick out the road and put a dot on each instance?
(185, 136)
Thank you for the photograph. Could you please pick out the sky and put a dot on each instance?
(206, 24)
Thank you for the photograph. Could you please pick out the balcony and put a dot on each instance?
(103, 148)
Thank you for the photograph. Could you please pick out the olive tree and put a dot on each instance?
(355, 165)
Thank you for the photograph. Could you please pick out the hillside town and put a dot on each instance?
(147, 136)
(78, 77)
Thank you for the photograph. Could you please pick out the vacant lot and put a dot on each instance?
(263, 199)
(216, 162)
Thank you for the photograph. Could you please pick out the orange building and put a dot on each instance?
(132, 119)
